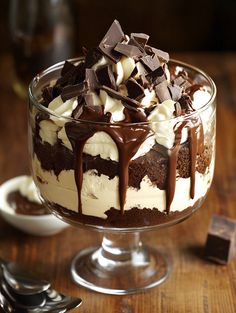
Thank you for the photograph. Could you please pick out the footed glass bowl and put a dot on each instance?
(144, 184)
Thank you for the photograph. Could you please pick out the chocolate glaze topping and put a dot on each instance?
(149, 72)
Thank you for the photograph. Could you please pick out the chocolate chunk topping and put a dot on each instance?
(72, 76)
(162, 55)
(47, 95)
(135, 90)
(92, 112)
(78, 110)
(119, 96)
(221, 240)
(150, 62)
(72, 91)
(175, 92)
(128, 50)
(157, 76)
(140, 38)
(113, 36)
(162, 91)
(68, 67)
(91, 79)
(92, 57)
(106, 77)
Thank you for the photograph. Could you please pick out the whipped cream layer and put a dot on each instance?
(100, 193)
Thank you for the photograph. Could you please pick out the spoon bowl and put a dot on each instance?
(21, 282)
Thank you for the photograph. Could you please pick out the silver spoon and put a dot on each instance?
(21, 282)
(58, 303)
(55, 303)
(23, 301)
(5, 304)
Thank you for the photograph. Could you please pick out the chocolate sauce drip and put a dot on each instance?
(128, 140)
(193, 155)
(171, 181)
(78, 135)
(196, 142)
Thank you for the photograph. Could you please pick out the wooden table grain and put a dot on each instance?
(195, 285)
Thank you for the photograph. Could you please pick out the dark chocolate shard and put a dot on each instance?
(128, 50)
(135, 72)
(68, 66)
(157, 76)
(221, 240)
(106, 77)
(91, 79)
(47, 95)
(151, 62)
(135, 90)
(89, 100)
(92, 113)
(72, 91)
(67, 72)
(114, 35)
(141, 69)
(116, 95)
(175, 91)
(141, 72)
(140, 38)
(92, 57)
(162, 91)
(77, 111)
(72, 76)
(162, 55)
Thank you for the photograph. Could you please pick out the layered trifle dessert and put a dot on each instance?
(122, 137)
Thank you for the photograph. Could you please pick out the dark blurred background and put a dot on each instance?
(181, 25)
(35, 34)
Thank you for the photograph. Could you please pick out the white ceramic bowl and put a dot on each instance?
(39, 225)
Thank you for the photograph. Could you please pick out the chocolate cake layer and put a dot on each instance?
(134, 217)
(153, 164)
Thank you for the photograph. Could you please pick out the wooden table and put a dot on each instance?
(195, 285)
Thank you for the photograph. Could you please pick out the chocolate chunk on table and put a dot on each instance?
(221, 239)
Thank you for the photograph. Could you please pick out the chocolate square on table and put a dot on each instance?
(221, 239)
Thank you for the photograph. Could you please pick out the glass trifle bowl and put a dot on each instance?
(121, 143)
(142, 186)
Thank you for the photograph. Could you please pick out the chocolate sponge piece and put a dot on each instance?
(221, 240)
